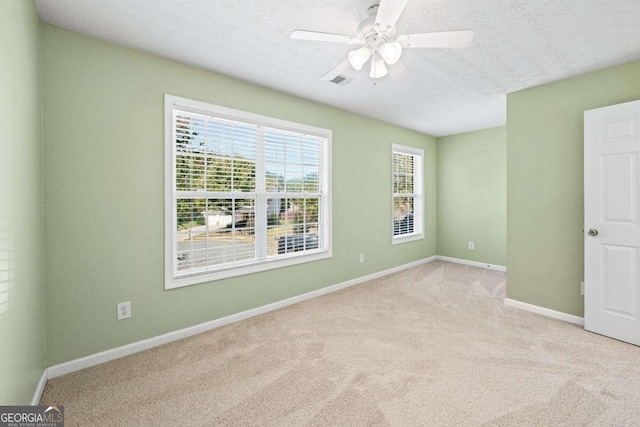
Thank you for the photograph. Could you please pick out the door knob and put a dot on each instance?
(593, 232)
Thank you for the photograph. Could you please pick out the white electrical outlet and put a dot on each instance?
(581, 288)
(472, 245)
(124, 310)
(361, 258)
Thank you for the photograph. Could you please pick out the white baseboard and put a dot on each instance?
(472, 263)
(116, 353)
(544, 311)
(39, 388)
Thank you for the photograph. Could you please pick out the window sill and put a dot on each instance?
(407, 238)
(197, 278)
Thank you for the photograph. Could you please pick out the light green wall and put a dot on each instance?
(103, 169)
(21, 278)
(545, 183)
(472, 196)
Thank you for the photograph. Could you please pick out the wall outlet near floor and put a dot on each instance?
(124, 310)
(581, 288)
(361, 258)
(472, 245)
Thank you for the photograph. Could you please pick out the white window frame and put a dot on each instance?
(176, 281)
(418, 194)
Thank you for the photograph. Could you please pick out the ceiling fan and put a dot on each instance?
(376, 34)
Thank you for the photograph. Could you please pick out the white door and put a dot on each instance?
(612, 222)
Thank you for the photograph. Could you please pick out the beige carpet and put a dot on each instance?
(431, 346)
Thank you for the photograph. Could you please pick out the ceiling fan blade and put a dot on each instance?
(336, 71)
(445, 39)
(323, 37)
(389, 11)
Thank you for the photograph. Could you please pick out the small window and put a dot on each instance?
(245, 193)
(407, 202)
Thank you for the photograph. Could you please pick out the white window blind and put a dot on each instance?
(247, 192)
(6, 270)
(407, 203)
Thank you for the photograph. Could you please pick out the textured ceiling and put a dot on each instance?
(518, 44)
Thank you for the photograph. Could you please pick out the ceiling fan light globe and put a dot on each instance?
(358, 57)
(391, 52)
(378, 69)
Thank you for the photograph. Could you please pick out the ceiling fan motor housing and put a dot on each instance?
(368, 31)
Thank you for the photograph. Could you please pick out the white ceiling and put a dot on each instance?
(518, 44)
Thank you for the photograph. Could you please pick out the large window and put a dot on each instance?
(244, 193)
(407, 178)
